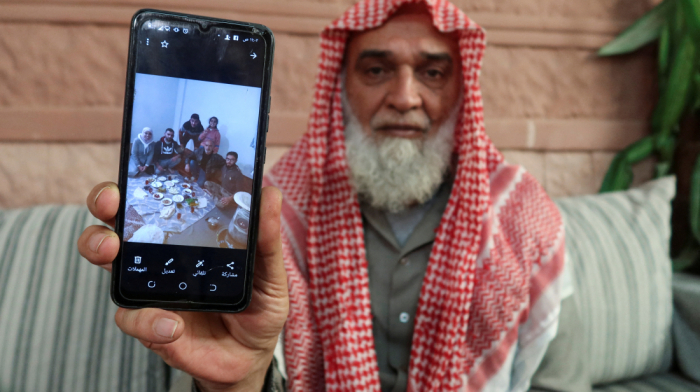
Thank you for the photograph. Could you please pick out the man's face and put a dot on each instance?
(169, 136)
(194, 122)
(403, 79)
(231, 160)
(208, 146)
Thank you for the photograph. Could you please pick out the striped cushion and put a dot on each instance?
(618, 245)
(57, 330)
(656, 383)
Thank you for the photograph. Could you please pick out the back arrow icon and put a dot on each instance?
(253, 55)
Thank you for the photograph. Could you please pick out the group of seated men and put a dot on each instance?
(220, 176)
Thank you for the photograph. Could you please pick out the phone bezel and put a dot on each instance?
(260, 150)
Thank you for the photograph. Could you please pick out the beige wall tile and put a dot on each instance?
(569, 174)
(532, 161)
(566, 83)
(273, 155)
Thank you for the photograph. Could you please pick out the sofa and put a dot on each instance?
(640, 321)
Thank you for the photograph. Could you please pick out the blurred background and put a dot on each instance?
(551, 103)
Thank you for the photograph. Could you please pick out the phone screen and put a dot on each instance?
(194, 124)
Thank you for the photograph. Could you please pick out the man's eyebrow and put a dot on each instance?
(436, 56)
(371, 53)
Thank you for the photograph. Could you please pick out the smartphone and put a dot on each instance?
(196, 113)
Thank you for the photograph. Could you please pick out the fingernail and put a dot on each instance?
(99, 193)
(165, 327)
(97, 240)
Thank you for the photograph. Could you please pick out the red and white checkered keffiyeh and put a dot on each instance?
(497, 251)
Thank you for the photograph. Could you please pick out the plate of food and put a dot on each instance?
(242, 199)
(158, 196)
(166, 201)
(173, 190)
(162, 178)
(178, 198)
(187, 191)
(169, 184)
(157, 184)
(176, 181)
(186, 186)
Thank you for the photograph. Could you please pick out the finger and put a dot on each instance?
(103, 202)
(99, 245)
(150, 325)
(270, 276)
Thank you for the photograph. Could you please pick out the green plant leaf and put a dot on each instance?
(673, 100)
(695, 200)
(664, 53)
(619, 176)
(691, 10)
(644, 30)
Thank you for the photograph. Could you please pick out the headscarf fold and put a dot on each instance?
(499, 245)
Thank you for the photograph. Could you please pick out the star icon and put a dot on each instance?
(164, 44)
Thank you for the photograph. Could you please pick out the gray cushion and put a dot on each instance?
(618, 245)
(57, 330)
(686, 324)
(666, 382)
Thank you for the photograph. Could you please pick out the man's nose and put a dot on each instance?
(404, 94)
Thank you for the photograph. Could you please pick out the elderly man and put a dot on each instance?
(204, 163)
(415, 258)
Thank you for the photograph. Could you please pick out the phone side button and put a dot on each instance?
(269, 104)
(264, 154)
(267, 127)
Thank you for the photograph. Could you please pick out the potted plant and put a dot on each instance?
(675, 137)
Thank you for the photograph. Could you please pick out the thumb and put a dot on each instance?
(270, 275)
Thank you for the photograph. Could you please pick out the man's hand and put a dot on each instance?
(159, 168)
(223, 352)
(226, 200)
(142, 168)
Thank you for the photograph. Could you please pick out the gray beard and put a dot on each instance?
(392, 173)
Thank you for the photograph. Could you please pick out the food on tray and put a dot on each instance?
(187, 191)
(150, 234)
(157, 196)
(167, 202)
(186, 186)
(167, 212)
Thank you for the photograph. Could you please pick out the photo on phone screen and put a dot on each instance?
(196, 116)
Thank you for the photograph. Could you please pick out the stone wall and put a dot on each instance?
(550, 103)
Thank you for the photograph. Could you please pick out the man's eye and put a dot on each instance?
(375, 71)
(434, 73)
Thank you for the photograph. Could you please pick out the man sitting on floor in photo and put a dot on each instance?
(204, 164)
(141, 158)
(166, 155)
(191, 130)
(231, 182)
